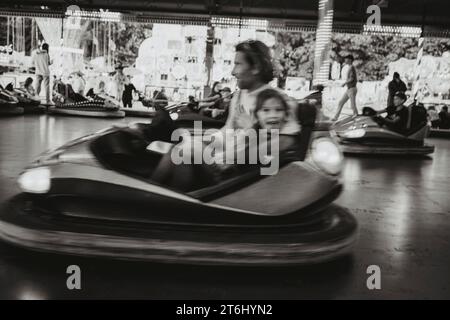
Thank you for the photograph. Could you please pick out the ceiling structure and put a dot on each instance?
(430, 13)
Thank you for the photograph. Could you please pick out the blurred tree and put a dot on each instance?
(128, 40)
(294, 55)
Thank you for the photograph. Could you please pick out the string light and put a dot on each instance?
(236, 22)
(109, 16)
(101, 15)
(385, 30)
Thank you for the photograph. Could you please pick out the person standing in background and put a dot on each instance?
(127, 95)
(433, 117)
(41, 62)
(396, 85)
(78, 83)
(176, 95)
(101, 87)
(119, 80)
(351, 91)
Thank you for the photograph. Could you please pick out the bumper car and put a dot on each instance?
(149, 104)
(25, 100)
(100, 196)
(185, 115)
(438, 132)
(9, 105)
(364, 134)
(442, 128)
(69, 103)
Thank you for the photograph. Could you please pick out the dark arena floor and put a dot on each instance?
(402, 206)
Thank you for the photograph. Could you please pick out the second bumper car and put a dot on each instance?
(363, 134)
(9, 105)
(29, 103)
(69, 103)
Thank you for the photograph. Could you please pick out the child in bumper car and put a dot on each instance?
(271, 113)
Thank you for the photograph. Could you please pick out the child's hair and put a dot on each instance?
(268, 94)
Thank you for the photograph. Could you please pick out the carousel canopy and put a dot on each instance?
(431, 13)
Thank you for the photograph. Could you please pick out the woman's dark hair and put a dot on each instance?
(268, 94)
(28, 81)
(257, 55)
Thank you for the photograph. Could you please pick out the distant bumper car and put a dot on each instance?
(29, 103)
(69, 103)
(364, 134)
(9, 105)
(439, 132)
(100, 196)
(185, 115)
(441, 128)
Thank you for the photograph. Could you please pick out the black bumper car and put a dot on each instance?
(186, 115)
(29, 103)
(365, 134)
(439, 132)
(69, 103)
(9, 105)
(442, 127)
(99, 196)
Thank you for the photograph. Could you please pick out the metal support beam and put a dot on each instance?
(323, 42)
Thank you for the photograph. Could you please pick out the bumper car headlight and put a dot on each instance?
(327, 156)
(355, 133)
(174, 116)
(35, 180)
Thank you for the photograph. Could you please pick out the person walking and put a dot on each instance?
(350, 83)
(119, 81)
(127, 95)
(41, 62)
